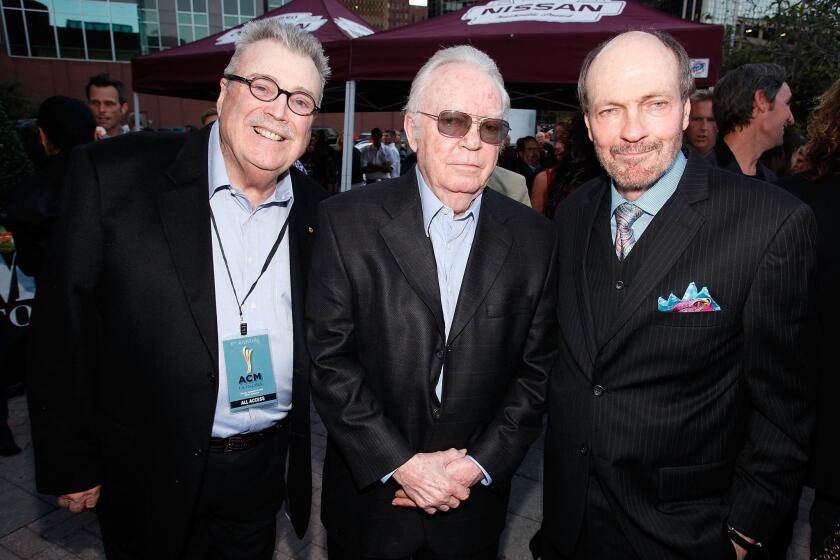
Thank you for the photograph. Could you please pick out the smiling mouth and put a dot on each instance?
(268, 134)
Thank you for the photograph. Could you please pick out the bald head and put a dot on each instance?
(636, 43)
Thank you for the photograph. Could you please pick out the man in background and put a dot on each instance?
(702, 129)
(106, 99)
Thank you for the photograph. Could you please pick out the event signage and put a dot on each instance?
(700, 67)
(308, 22)
(555, 11)
(17, 291)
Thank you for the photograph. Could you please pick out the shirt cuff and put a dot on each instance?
(388, 476)
(488, 480)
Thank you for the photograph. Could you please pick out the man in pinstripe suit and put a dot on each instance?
(673, 434)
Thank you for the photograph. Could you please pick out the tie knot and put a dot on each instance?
(626, 214)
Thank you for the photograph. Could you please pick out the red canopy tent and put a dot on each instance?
(193, 70)
(532, 41)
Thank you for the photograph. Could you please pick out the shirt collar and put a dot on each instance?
(653, 199)
(432, 205)
(219, 179)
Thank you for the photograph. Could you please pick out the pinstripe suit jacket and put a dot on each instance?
(376, 328)
(698, 418)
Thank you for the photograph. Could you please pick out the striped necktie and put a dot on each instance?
(625, 216)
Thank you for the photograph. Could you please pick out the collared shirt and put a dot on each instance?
(452, 239)
(721, 156)
(652, 200)
(378, 156)
(247, 236)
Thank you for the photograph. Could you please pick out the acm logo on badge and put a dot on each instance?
(249, 376)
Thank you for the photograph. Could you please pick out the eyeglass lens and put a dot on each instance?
(457, 124)
(265, 89)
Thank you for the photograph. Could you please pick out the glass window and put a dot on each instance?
(15, 32)
(71, 42)
(246, 7)
(41, 38)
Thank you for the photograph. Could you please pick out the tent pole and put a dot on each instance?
(349, 122)
(136, 111)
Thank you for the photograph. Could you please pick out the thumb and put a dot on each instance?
(453, 454)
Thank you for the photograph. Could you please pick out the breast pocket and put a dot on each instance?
(704, 319)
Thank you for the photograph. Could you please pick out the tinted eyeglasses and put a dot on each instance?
(455, 124)
(266, 89)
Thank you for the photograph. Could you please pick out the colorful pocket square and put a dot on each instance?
(692, 302)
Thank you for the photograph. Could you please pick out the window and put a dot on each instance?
(235, 12)
(192, 20)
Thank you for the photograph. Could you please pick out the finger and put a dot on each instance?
(404, 502)
(90, 502)
(444, 507)
(400, 494)
(62, 502)
(430, 510)
(452, 454)
(460, 492)
(452, 502)
(77, 507)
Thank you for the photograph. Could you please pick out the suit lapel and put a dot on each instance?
(587, 215)
(680, 222)
(490, 247)
(409, 245)
(185, 215)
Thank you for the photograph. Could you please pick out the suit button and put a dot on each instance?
(440, 354)
(584, 449)
(211, 376)
(198, 452)
(597, 390)
(619, 285)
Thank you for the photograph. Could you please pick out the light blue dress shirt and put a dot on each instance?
(452, 240)
(247, 236)
(651, 201)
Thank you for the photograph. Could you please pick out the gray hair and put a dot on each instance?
(686, 78)
(290, 36)
(701, 95)
(462, 54)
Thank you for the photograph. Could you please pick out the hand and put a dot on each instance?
(78, 502)
(740, 553)
(465, 472)
(426, 484)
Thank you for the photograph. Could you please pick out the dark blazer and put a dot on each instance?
(823, 196)
(124, 359)
(376, 335)
(688, 420)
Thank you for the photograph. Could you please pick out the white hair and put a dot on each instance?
(290, 36)
(462, 54)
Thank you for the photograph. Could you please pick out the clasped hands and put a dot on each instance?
(437, 481)
(78, 502)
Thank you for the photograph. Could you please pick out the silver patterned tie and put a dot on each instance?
(625, 215)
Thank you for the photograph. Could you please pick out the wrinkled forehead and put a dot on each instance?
(462, 87)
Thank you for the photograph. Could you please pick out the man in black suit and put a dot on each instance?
(432, 330)
(678, 424)
(169, 368)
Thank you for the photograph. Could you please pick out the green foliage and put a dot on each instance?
(17, 105)
(804, 37)
(13, 160)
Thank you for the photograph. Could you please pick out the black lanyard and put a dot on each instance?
(243, 326)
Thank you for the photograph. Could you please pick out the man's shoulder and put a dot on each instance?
(155, 147)
(524, 221)
(386, 192)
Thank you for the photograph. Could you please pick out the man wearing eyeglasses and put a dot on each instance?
(170, 372)
(432, 329)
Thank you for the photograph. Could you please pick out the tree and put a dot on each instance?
(17, 105)
(13, 161)
(804, 37)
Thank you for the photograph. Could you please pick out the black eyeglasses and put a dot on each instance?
(455, 124)
(266, 89)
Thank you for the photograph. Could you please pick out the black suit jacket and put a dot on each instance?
(823, 196)
(687, 420)
(376, 336)
(124, 362)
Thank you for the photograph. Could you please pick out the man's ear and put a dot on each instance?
(124, 109)
(588, 128)
(760, 102)
(221, 99)
(410, 132)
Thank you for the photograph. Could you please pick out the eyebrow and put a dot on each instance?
(296, 89)
(644, 98)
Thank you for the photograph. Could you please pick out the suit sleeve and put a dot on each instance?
(63, 358)
(372, 445)
(518, 420)
(778, 379)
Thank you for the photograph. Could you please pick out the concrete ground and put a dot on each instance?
(32, 527)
